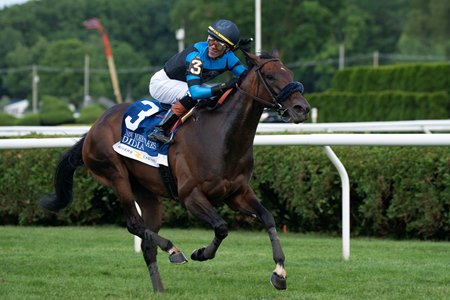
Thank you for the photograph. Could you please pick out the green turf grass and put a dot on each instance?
(100, 263)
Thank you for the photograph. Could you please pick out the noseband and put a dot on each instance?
(276, 99)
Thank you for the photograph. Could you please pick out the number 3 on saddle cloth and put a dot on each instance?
(138, 121)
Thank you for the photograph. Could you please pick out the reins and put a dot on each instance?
(272, 103)
(276, 99)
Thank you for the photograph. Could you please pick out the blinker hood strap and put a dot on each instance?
(288, 90)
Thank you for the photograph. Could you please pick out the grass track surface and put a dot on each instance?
(100, 263)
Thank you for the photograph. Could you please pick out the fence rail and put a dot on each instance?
(326, 139)
(426, 126)
(393, 126)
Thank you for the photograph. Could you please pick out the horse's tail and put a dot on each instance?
(63, 180)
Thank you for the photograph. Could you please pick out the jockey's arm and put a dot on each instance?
(196, 89)
(200, 91)
(204, 92)
(238, 70)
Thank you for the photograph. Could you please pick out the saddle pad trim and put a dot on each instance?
(141, 156)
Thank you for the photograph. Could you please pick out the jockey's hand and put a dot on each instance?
(229, 84)
(245, 44)
(221, 88)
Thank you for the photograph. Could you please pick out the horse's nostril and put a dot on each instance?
(302, 109)
(285, 116)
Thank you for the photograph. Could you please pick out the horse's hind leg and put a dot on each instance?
(152, 211)
(197, 204)
(249, 205)
(136, 225)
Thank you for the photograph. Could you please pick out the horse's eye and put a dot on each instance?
(269, 77)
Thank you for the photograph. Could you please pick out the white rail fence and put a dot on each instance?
(326, 140)
(426, 126)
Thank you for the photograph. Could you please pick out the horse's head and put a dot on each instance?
(272, 84)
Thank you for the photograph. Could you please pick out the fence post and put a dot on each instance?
(34, 87)
(341, 56)
(345, 202)
(376, 59)
(314, 114)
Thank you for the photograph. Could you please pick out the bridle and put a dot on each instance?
(276, 99)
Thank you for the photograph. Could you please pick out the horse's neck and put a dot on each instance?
(231, 127)
(242, 115)
(223, 138)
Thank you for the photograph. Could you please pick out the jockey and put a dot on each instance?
(181, 81)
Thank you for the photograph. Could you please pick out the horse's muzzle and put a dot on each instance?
(297, 114)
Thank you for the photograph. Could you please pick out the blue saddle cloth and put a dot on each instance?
(138, 121)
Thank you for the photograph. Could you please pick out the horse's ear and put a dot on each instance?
(275, 53)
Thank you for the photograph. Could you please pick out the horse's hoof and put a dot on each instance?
(198, 254)
(178, 258)
(278, 282)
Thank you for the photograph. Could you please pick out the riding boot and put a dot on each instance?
(162, 131)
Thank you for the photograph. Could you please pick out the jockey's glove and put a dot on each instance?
(245, 44)
(229, 84)
(221, 88)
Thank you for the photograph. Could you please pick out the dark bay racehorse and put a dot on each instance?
(211, 161)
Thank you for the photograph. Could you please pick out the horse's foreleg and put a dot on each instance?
(149, 250)
(151, 211)
(278, 278)
(176, 256)
(249, 205)
(209, 252)
(198, 205)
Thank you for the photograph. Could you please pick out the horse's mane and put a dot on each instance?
(263, 55)
(266, 55)
(251, 64)
(212, 104)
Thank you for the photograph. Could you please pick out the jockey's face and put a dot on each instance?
(216, 48)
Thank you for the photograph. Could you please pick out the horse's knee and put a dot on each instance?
(221, 231)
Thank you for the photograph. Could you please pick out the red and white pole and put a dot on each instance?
(95, 24)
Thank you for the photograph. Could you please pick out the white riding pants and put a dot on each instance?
(165, 89)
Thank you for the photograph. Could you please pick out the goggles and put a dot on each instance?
(219, 45)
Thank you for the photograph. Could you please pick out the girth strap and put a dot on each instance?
(169, 183)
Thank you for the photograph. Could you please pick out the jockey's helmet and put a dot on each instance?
(225, 31)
